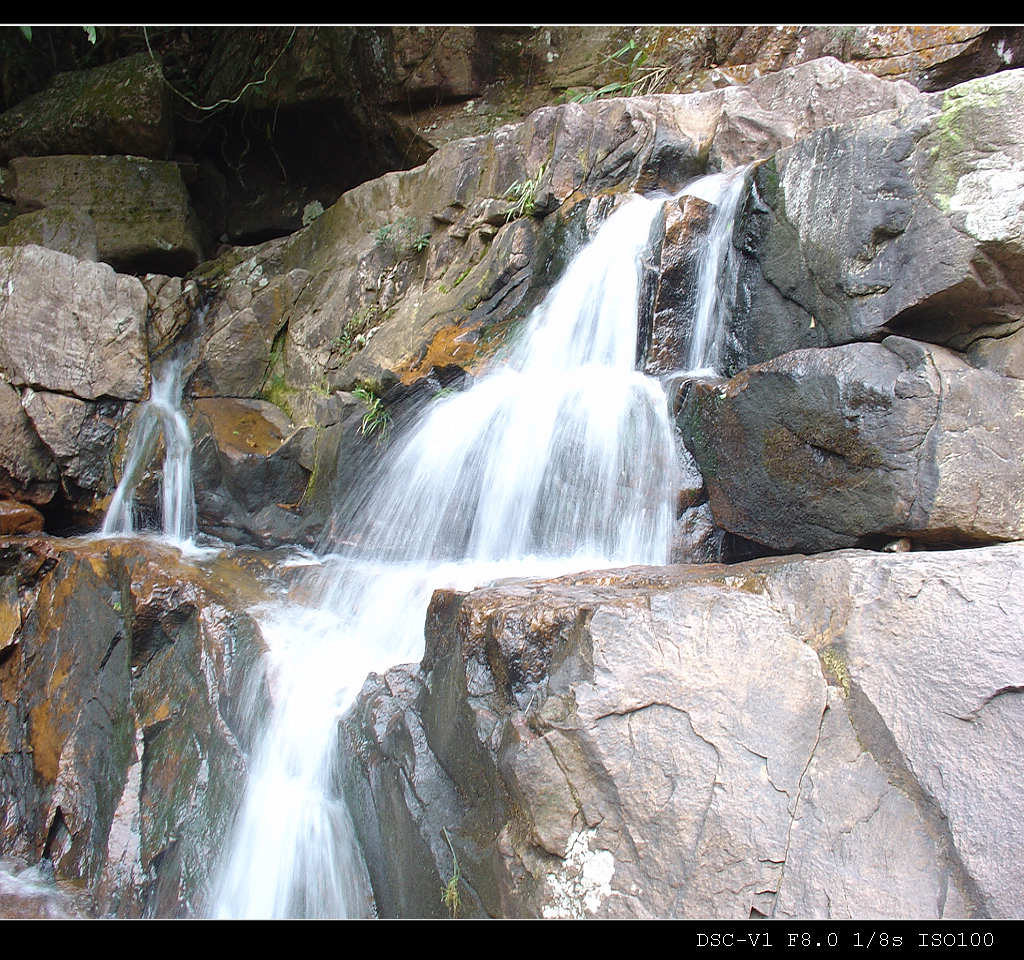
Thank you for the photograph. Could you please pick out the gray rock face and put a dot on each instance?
(71, 326)
(244, 323)
(819, 449)
(907, 222)
(774, 111)
(432, 267)
(80, 435)
(141, 210)
(63, 228)
(779, 738)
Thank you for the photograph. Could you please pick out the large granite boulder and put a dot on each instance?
(73, 357)
(71, 326)
(814, 738)
(819, 449)
(121, 744)
(906, 222)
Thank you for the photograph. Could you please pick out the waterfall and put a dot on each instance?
(160, 415)
(715, 273)
(560, 459)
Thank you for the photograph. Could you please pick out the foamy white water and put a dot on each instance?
(160, 415)
(724, 190)
(561, 459)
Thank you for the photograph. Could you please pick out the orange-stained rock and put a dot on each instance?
(121, 732)
(18, 517)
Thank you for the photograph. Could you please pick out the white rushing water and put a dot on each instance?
(160, 416)
(561, 459)
(715, 274)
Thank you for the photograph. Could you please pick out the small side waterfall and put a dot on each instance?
(724, 190)
(562, 459)
(701, 540)
(160, 415)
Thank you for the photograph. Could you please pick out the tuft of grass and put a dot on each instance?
(450, 896)
(353, 335)
(377, 419)
(523, 194)
(638, 78)
(403, 238)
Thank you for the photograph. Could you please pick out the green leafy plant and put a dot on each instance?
(450, 896)
(377, 419)
(403, 238)
(523, 194)
(90, 32)
(353, 335)
(639, 78)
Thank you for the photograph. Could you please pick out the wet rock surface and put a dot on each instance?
(777, 738)
(436, 266)
(794, 737)
(122, 739)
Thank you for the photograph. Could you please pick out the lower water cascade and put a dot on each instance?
(561, 459)
(160, 416)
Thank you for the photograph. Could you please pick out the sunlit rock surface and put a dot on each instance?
(801, 737)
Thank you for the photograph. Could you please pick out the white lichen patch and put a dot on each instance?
(992, 198)
(583, 880)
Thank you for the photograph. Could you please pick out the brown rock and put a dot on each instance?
(687, 221)
(434, 64)
(18, 517)
(121, 720)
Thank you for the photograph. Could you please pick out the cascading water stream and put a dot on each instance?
(161, 414)
(563, 459)
(715, 276)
